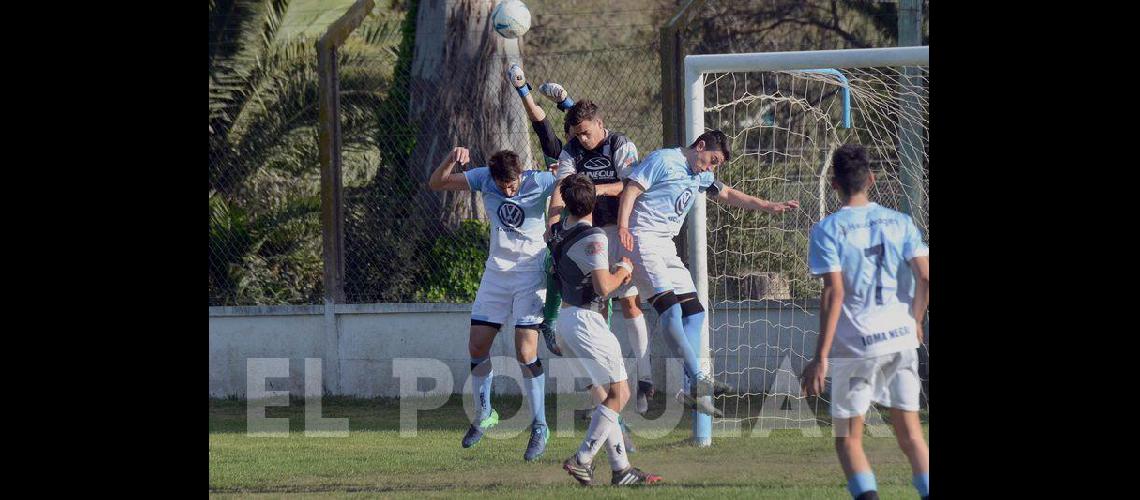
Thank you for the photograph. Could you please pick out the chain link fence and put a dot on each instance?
(265, 245)
(405, 243)
(402, 242)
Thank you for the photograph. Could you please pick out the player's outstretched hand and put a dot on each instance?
(459, 154)
(778, 208)
(626, 238)
(813, 379)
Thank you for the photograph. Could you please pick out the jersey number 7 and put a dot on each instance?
(876, 254)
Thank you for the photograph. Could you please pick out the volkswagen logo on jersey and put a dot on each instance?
(596, 163)
(683, 201)
(511, 215)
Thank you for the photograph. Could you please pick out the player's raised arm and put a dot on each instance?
(737, 198)
(625, 207)
(554, 212)
(442, 179)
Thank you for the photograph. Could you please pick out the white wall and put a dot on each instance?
(359, 341)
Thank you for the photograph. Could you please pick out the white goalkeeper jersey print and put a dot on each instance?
(517, 221)
(670, 188)
(872, 246)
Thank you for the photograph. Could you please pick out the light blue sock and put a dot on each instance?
(693, 324)
(861, 482)
(921, 483)
(534, 379)
(674, 329)
(481, 375)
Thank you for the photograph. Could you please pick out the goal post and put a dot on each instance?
(886, 108)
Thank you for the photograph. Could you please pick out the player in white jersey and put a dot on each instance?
(658, 194)
(606, 157)
(870, 325)
(585, 278)
(513, 279)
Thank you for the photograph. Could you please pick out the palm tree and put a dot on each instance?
(264, 171)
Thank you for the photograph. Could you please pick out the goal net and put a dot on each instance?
(785, 113)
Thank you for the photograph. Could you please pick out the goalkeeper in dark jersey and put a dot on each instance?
(606, 157)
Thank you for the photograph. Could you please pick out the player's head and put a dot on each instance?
(712, 151)
(578, 193)
(851, 170)
(584, 121)
(506, 170)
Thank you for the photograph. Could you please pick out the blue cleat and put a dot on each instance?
(475, 433)
(538, 436)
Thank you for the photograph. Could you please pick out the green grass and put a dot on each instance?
(375, 461)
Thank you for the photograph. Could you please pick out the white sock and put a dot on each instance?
(639, 342)
(603, 419)
(615, 450)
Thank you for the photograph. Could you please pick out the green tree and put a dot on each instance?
(264, 172)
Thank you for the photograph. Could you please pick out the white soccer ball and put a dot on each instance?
(511, 18)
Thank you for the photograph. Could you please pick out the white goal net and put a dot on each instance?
(783, 125)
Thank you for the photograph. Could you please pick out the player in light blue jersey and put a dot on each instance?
(513, 279)
(658, 194)
(870, 326)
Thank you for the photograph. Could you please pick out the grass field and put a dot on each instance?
(374, 461)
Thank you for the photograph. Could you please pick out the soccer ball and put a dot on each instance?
(511, 18)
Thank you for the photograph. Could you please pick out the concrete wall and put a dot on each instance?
(358, 342)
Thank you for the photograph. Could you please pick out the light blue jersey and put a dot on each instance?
(517, 222)
(669, 191)
(872, 246)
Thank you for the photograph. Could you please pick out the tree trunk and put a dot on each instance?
(460, 96)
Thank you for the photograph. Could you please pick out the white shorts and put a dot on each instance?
(890, 380)
(657, 267)
(503, 292)
(613, 241)
(585, 338)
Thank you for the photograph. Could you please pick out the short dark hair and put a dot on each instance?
(851, 168)
(578, 194)
(715, 140)
(581, 111)
(505, 166)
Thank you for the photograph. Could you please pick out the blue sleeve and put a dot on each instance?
(547, 180)
(823, 253)
(648, 172)
(705, 179)
(913, 246)
(477, 177)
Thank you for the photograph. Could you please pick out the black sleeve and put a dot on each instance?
(713, 190)
(551, 144)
